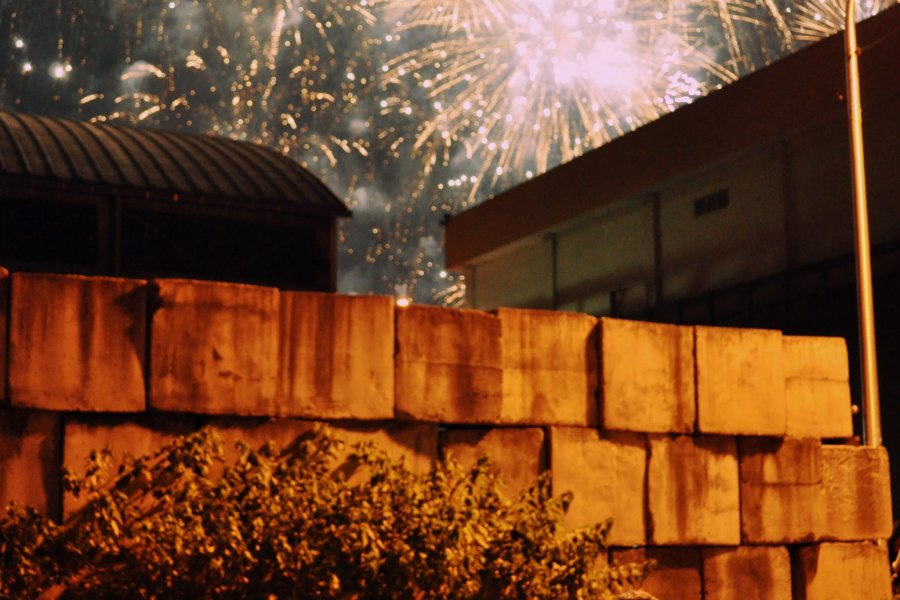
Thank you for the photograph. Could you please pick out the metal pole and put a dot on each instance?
(871, 407)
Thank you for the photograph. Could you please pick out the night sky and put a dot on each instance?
(410, 111)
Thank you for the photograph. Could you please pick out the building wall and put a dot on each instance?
(520, 276)
(818, 194)
(788, 206)
(743, 240)
(703, 444)
(883, 177)
(611, 251)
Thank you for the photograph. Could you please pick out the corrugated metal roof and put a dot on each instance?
(206, 168)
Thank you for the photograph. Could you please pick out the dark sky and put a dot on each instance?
(409, 110)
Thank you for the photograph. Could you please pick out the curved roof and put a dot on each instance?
(204, 168)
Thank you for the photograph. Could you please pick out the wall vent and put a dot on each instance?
(711, 202)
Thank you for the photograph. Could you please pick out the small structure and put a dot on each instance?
(108, 199)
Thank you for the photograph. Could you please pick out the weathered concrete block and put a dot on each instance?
(448, 365)
(606, 473)
(818, 408)
(858, 493)
(517, 453)
(4, 330)
(132, 436)
(77, 343)
(415, 443)
(214, 348)
(841, 571)
(647, 376)
(29, 459)
(256, 432)
(813, 357)
(336, 356)
(740, 381)
(782, 496)
(549, 367)
(781, 460)
(693, 491)
(677, 576)
(782, 513)
(817, 387)
(747, 573)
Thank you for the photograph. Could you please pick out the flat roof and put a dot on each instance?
(799, 91)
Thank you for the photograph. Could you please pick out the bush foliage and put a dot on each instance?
(314, 520)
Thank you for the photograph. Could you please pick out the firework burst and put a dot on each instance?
(742, 34)
(262, 71)
(543, 83)
(467, 16)
(812, 20)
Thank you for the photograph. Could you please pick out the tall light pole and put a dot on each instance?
(871, 406)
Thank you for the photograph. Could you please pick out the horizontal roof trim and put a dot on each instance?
(796, 92)
(137, 160)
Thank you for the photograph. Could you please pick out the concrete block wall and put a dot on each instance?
(723, 454)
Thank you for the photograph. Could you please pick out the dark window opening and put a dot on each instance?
(711, 202)
(48, 235)
(290, 255)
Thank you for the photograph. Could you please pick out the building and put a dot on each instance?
(735, 210)
(107, 199)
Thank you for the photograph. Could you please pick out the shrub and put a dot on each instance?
(310, 521)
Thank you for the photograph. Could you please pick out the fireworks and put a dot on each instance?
(815, 19)
(542, 83)
(411, 110)
(262, 71)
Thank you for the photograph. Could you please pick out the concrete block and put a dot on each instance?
(858, 493)
(782, 513)
(29, 459)
(606, 472)
(647, 376)
(837, 571)
(740, 381)
(549, 367)
(415, 443)
(780, 460)
(678, 572)
(336, 356)
(747, 573)
(818, 408)
(4, 330)
(125, 436)
(448, 365)
(813, 357)
(782, 496)
(693, 492)
(256, 432)
(817, 387)
(77, 343)
(214, 348)
(517, 453)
